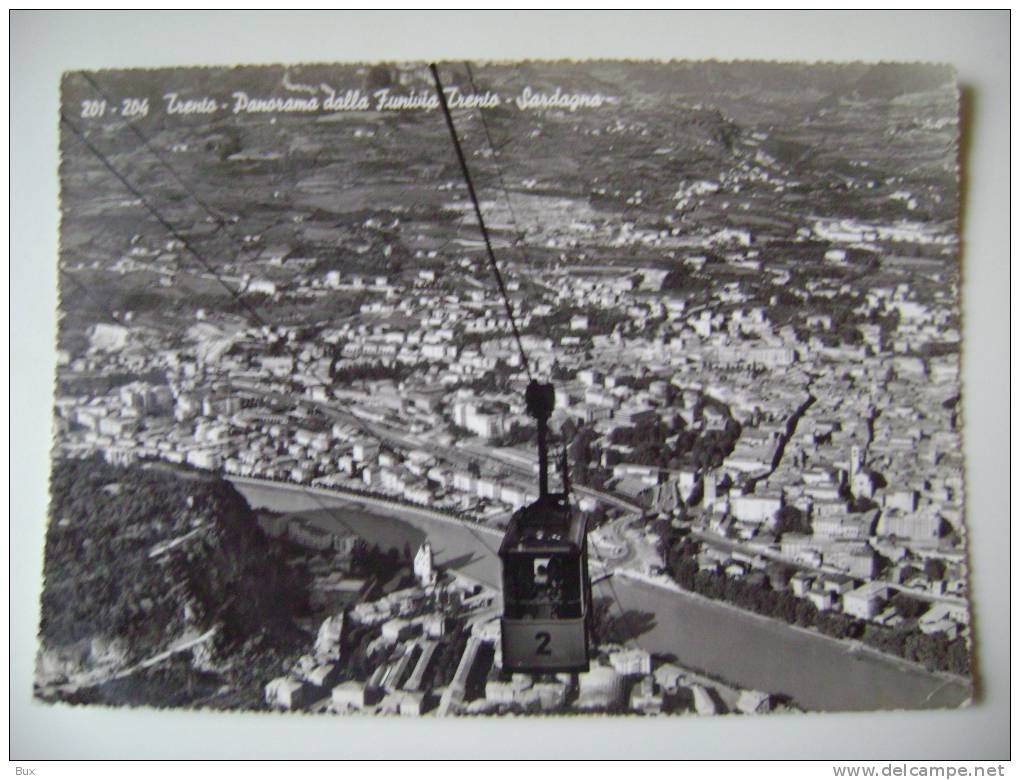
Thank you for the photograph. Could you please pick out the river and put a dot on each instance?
(739, 647)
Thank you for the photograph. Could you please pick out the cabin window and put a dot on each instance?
(545, 587)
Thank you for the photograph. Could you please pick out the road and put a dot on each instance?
(462, 455)
(735, 545)
(742, 648)
(529, 469)
(95, 677)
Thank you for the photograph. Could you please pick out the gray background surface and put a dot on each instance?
(43, 44)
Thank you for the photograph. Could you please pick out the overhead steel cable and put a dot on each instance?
(221, 223)
(176, 234)
(113, 315)
(495, 161)
(481, 221)
(631, 638)
(83, 288)
(162, 220)
(306, 489)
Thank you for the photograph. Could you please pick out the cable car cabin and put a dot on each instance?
(546, 592)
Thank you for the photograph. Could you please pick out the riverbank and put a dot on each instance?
(815, 671)
(849, 646)
(456, 544)
(748, 650)
(361, 498)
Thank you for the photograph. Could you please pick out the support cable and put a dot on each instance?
(161, 220)
(631, 638)
(499, 170)
(222, 226)
(481, 221)
(306, 489)
(205, 264)
(220, 222)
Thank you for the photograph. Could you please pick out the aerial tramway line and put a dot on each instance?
(547, 597)
(546, 622)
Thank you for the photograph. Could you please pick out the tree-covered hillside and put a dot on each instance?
(141, 556)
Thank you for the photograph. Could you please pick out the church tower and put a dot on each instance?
(423, 566)
(856, 462)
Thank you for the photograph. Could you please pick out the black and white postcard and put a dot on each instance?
(508, 388)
